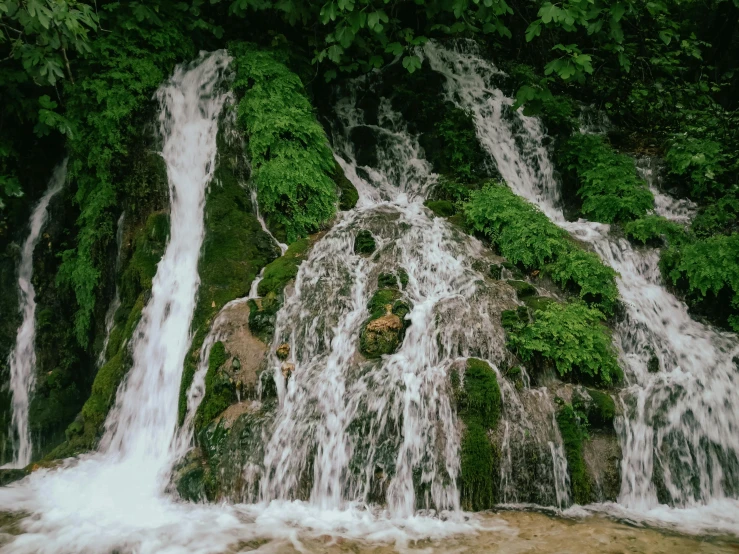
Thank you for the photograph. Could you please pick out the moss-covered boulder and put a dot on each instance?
(522, 288)
(478, 406)
(284, 269)
(574, 435)
(348, 195)
(442, 208)
(381, 336)
(364, 243)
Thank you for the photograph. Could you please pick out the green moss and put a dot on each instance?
(348, 195)
(403, 277)
(602, 410)
(573, 436)
(387, 281)
(284, 269)
(481, 399)
(478, 462)
(442, 208)
(478, 405)
(496, 271)
(364, 243)
(537, 303)
(220, 391)
(522, 288)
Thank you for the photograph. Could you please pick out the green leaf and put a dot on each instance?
(411, 63)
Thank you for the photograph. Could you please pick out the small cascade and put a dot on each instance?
(679, 210)
(22, 359)
(116, 302)
(679, 430)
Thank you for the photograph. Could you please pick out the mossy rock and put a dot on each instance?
(537, 303)
(602, 409)
(496, 271)
(442, 208)
(403, 278)
(262, 317)
(364, 243)
(380, 300)
(348, 195)
(284, 269)
(513, 319)
(8, 476)
(653, 365)
(522, 288)
(478, 406)
(573, 436)
(220, 390)
(381, 336)
(387, 281)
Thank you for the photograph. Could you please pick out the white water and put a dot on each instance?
(684, 418)
(116, 302)
(22, 359)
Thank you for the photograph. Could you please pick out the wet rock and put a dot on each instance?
(381, 336)
(653, 364)
(496, 270)
(387, 281)
(537, 303)
(522, 288)
(8, 476)
(442, 208)
(283, 351)
(364, 243)
(287, 369)
(602, 456)
(248, 352)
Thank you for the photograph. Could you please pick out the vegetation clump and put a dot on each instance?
(385, 328)
(574, 432)
(608, 184)
(284, 269)
(478, 406)
(571, 336)
(653, 230)
(220, 391)
(292, 163)
(364, 243)
(525, 236)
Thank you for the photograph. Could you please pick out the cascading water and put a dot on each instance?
(22, 359)
(681, 420)
(116, 302)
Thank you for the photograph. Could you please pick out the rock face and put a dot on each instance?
(242, 346)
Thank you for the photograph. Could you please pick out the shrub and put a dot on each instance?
(708, 268)
(653, 230)
(570, 336)
(525, 236)
(608, 183)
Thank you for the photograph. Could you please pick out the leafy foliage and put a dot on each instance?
(707, 270)
(653, 229)
(525, 236)
(609, 186)
(291, 159)
(571, 337)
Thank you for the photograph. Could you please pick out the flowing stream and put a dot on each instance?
(679, 429)
(22, 359)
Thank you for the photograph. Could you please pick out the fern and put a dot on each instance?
(610, 189)
(290, 155)
(525, 236)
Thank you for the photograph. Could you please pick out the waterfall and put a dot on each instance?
(22, 359)
(116, 302)
(681, 420)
